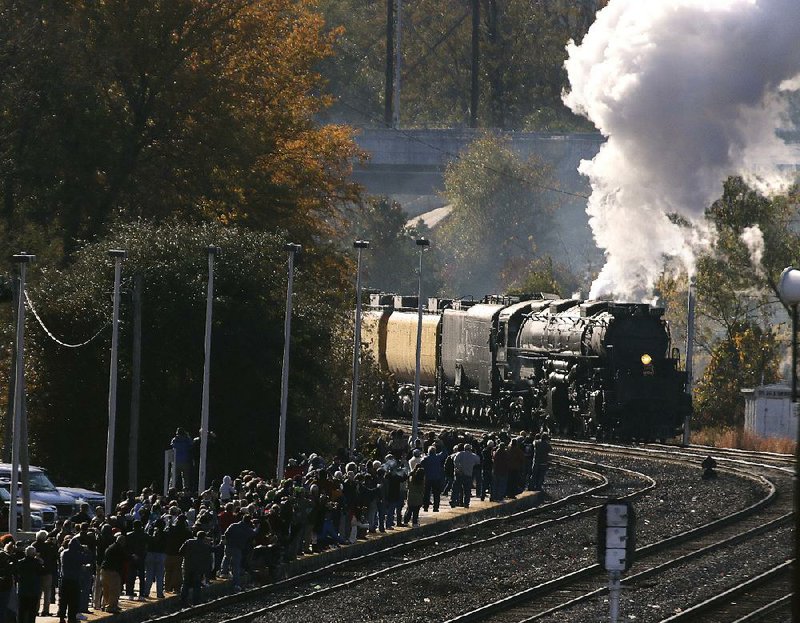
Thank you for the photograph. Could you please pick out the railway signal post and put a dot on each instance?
(616, 543)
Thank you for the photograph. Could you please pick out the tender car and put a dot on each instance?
(44, 491)
(42, 515)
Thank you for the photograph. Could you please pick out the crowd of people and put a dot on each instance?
(248, 527)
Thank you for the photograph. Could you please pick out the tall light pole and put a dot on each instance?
(22, 260)
(118, 255)
(360, 245)
(293, 249)
(689, 353)
(789, 290)
(421, 243)
(201, 476)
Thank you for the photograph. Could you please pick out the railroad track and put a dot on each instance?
(750, 600)
(569, 596)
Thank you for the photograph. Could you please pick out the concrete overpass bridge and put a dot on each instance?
(412, 162)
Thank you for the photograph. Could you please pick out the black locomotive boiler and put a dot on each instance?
(578, 368)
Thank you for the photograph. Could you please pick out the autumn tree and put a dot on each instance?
(204, 109)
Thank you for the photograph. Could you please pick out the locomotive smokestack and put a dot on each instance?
(687, 92)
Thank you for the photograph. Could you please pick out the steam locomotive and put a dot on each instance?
(577, 368)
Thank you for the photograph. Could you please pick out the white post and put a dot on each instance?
(287, 331)
(421, 243)
(614, 586)
(201, 477)
(689, 353)
(19, 387)
(398, 59)
(360, 245)
(118, 256)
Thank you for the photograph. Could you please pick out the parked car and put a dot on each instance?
(42, 515)
(66, 500)
(92, 498)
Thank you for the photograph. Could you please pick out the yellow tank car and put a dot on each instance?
(401, 347)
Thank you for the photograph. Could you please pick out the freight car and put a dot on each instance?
(578, 368)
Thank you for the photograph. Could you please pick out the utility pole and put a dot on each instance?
(388, 93)
(689, 353)
(397, 62)
(22, 260)
(293, 249)
(360, 245)
(136, 382)
(476, 22)
(117, 255)
(201, 477)
(421, 244)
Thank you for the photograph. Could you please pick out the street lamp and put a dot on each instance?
(292, 249)
(21, 259)
(118, 255)
(421, 243)
(789, 290)
(201, 476)
(360, 245)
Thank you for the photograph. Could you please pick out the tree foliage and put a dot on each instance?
(741, 329)
(746, 359)
(115, 110)
(68, 388)
(502, 217)
(392, 262)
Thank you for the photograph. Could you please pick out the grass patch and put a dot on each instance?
(729, 437)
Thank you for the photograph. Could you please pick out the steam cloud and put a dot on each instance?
(753, 239)
(687, 92)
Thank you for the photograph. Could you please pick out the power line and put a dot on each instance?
(50, 333)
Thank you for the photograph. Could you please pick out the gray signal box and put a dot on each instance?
(616, 536)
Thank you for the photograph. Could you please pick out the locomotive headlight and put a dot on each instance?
(646, 359)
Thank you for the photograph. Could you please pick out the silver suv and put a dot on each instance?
(66, 502)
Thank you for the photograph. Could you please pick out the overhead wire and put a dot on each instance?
(50, 333)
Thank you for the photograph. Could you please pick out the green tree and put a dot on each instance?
(68, 387)
(739, 316)
(391, 264)
(502, 217)
(543, 275)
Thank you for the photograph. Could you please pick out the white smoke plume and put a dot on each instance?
(753, 239)
(687, 92)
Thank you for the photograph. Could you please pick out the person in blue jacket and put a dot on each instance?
(182, 445)
(433, 466)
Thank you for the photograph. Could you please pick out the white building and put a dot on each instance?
(768, 411)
